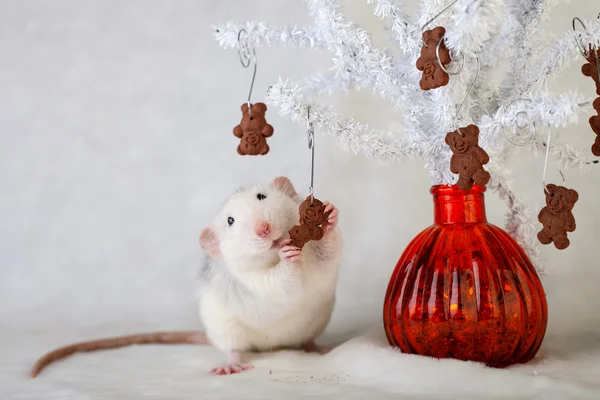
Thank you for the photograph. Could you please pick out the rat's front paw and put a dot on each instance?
(292, 254)
(332, 218)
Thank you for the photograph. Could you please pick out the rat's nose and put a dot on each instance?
(262, 229)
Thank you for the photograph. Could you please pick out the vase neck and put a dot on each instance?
(455, 206)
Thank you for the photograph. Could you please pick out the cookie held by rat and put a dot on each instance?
(468, 158)
(253, 130)
(250, 267)
(314, 214)
(433, 75)
(557, 218)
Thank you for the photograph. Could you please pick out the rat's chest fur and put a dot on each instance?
(249, 315)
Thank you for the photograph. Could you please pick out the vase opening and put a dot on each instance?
(455, 206)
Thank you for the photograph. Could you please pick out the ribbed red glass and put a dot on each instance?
(465, 289)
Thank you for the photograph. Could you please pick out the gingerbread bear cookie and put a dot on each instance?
(312, 218)
(557, 218)
(433, 75)
(595, 124)
(468, 158)
(591, 67)
(253, 130)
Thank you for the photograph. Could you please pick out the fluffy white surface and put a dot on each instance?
(113, 115)
(363, 367)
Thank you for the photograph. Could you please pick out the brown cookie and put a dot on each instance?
(557, 218)
(433, 75)
(596, 146)
(312, 218)
(595, 125)
(253, 131)
(468, 158)
(591, 67)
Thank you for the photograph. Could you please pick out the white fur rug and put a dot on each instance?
(363, 368)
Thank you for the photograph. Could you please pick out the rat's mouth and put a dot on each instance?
(277, 242)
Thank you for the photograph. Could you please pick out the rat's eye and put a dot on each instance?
(261, 196)
(230, 221)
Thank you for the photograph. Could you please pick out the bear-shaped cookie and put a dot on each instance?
(591, 67)
(468, 158)
(312, 218)
(433, 75)
(557, 218)
(253, 130)
(595, 124)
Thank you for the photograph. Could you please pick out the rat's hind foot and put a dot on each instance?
(312, 347)
(231, 369)
(234, 366)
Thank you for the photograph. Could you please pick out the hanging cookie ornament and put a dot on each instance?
(556, 217)
(468, 158)
(595, 124)
(591, 69)
(435, 57)
(253, 129)
(312, 211)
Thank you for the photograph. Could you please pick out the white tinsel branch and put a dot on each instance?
(404, 32)
(326, 84)
(519, 217)
(355, 58)
(473, 24)
(358, 138)
(557, 57)
(518, 58)
(542, 110)
(260, 33)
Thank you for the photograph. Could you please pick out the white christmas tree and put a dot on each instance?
(508, 60)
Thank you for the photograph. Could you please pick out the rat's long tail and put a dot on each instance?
(116, 342)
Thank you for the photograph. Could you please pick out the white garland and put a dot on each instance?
(517, 59)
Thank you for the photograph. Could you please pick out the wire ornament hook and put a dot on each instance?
(546, 163)
(433, 19)
(247, 54)
(311, 146)
(517, 123)
(437, 54)
(466, 98)
(582, 49)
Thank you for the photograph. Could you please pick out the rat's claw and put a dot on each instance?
(291, 253)
(231, 369)
(331, 218)
(286, 242)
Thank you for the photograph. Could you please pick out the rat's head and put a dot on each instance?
(253, 221)
(559, 199)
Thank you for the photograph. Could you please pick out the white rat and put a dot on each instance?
(257, 293)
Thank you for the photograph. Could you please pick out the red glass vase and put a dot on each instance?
(465, 289)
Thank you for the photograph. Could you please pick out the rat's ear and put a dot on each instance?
(285, 186)
(210, 243)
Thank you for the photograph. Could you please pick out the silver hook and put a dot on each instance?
(546, 163)
(437, 54)
(245, 57)
(582, 49)
(311, 146)
(466, 98)
(520, 113)
(433, 19)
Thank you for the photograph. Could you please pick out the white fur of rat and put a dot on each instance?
(257, 293)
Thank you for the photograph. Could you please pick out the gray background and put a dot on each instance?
(115, 119)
